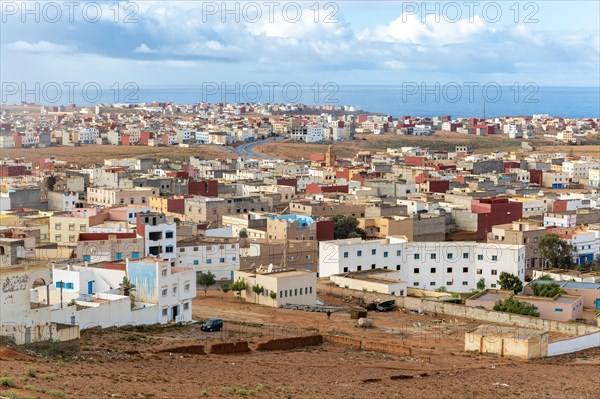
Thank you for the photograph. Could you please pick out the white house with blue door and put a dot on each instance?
(162, 294)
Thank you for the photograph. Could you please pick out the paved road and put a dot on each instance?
(247, 149)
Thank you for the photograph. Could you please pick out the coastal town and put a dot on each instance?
(213, 234)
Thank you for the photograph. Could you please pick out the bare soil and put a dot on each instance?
(136, 363)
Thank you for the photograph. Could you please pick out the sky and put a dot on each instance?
(189, 43)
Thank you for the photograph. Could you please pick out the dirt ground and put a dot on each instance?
(136, 362)
(94, 154)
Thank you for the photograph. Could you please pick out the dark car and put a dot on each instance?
(212, 325)
(386, 306)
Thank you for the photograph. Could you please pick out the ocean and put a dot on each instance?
(411, 99)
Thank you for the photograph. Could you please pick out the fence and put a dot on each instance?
(451, 309)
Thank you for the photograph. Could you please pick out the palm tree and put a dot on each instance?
(126, 286)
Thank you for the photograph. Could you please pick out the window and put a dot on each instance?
(432, 283)
(397, 267)
(209, 261)
(373, 252)
(169, 249)
(165, 311)
(449, 256)
(345, 270)
(465, 255)
(415, 284)
(479, 271)
(493, 285)
(305, 290)
(164, 292)
(169, 234)
(417, 256)
(433, 256)
(558, 309)
(494, 272)
(448, 282)
(71, 238)
(358, 268)
(385, 254)
(280, 294)
(433, 270)
(186, 306)
(465, 283)
(186, 287)
(416, 270)
(465, 269)
(398, 252)
(345, 254)
(373, 266)
(164, 272)
(295, 291)
(82, 227)
(196, 262)
(448, 270)
(57, 226)
(310, 290)
(479, 257)
(58, 238)
(494, 258)
(358, 253)
(71, 227)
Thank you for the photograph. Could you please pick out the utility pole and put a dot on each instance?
(61, 297)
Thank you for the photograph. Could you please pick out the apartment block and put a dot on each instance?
(457, 266)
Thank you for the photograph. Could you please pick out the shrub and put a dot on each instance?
(7, 382)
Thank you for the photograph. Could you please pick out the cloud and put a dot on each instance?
(143, 49)
(41, 47)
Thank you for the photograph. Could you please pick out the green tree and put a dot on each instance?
(243, 233)
(481, 284)
(238, 286)
(257, 289)
(346, 227)
(556, 251)
(442, 289)
(225, 288)
(511, 305)
(205, 280)
(546, 277)
(126, 286)
(549, 290)
(273, 296)
(510, 282)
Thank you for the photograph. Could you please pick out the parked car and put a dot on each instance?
(386, 306)
(212, 325)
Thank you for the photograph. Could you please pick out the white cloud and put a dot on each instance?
(143, 49)
(41, 47)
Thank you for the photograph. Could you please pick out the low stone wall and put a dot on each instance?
(451, 309)
(226, 348)
(353, 343)
(290, 343)
(191, 350)
(382, 347)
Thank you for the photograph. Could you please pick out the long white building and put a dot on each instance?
(457, 266)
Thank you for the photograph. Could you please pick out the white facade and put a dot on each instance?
(457, 266)
(298, 287)
(162, 294)
(219, 258)
(160, 235)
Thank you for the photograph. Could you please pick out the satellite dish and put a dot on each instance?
(270, 268)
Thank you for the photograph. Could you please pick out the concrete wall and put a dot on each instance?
(433, 306)
(290, 343)
(574, 344)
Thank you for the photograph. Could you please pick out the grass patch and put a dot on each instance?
(7, 382)
(15, 395)
(242, 391)
(31, 372)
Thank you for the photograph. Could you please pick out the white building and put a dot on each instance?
(289, 286)
(162, 294)
(160, 235)
(378, 280)
(457, 266)
(220, 256)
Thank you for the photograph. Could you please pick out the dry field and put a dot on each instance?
(133, 364)
(94, 154)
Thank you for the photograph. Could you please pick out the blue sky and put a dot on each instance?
(183, 43)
